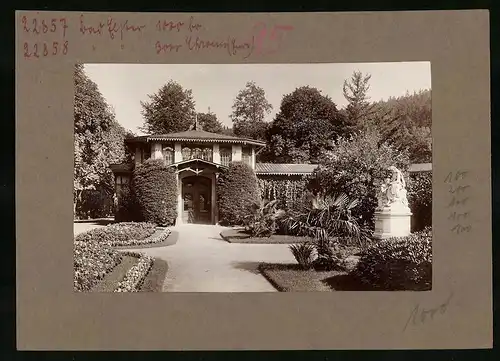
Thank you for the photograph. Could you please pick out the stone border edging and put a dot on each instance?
(147, 241)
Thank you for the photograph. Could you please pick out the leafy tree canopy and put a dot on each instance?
(210, 123)
(169, 110)
(249, 111)
(303, 128)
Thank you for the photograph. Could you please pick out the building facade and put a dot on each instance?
(198, 157)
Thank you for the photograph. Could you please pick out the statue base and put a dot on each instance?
(392, 222)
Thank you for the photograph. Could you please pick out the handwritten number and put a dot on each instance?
(53, 26)
(261, 34)
(63, 21)
(25, 24)
(45, 50)
(55, 44)
(65, 48)
(273, 36)
(35, 53)
(45, 28)
(35, 30)
(26, 51)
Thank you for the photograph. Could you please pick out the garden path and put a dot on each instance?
(201, 261)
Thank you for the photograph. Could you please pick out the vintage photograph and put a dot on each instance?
(252, 177)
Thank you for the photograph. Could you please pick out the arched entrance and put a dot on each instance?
(197, 200)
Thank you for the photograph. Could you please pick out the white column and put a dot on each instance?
(216, 153)
(178, 152)
(216, 208)
(179, 200)
(253, 157)
(213, 200)
(137, 156)
(236, 153)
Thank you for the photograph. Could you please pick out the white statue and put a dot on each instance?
(393, 190)
(383, 201)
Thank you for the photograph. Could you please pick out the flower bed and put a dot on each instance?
(92, 261)
(136, 274)
(94, 256)
(119, 233)
(158, 237)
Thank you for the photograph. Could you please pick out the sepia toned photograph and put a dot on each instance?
(252, 177)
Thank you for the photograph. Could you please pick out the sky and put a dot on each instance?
(216, 86)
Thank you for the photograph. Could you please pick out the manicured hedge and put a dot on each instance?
(403, 263)
(155, 187)
(238, 194)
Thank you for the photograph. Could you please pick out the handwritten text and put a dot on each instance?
(111, 27)
(39, 26)
(43, 49)
(420, 315)
(458, 201)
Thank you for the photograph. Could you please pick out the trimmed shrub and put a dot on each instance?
(237, 194)
(403, 263)
(155, 188)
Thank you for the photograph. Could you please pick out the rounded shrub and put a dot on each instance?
(403, 263)
(238, 194)
(155, 188)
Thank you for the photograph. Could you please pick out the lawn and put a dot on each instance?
(113, 278)
(236, 235)
(292, 278)
(155, 277)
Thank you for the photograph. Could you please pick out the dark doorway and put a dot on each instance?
(197, 200)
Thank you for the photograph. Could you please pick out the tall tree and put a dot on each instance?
(359, 109)
(304, 127)
(249, 111)
(98, 139)
(406, 122)
(210, 123)
(169, 110)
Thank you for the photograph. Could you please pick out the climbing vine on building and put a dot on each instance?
(289, 191)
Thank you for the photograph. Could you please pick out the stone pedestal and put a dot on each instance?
(392, 222)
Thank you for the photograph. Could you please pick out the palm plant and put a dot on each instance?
(329, 218)
(304, 254)
(263, 222)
